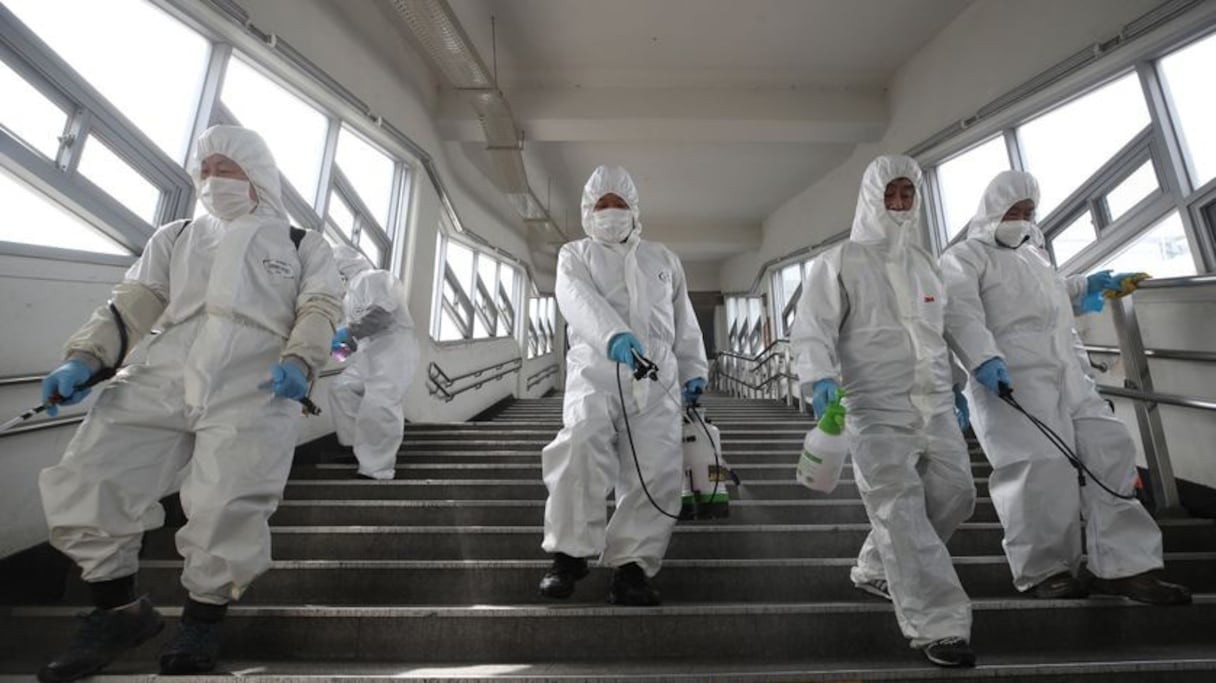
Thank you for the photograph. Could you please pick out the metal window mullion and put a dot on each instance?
(1013, 147)
(209, 93)
(129, 141)
(109, 216)
(1116, 238)
(938, 229)
(1176, 173)
(328, 154)
(1101, 180)
(71, 145)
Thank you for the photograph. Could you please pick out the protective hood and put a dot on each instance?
(873, 222)
(1005, 190)
(605, 180)
(350, 262)
(250, 152)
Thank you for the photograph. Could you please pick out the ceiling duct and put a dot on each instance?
(444, 41)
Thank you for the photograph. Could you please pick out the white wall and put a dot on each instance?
(992, 47)
(45, 300)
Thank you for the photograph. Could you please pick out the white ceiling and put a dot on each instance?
(722, 109)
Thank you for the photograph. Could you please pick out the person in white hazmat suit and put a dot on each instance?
(619, 295)
(246, 306)
(871, 318)
(368, 398)
(1010, 319)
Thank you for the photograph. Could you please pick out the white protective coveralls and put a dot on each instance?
(1011, 303)
(871, 314)
(232, 299)
(604, 289)
(368, 398)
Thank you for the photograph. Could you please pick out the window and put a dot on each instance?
(787, 286)
(1162, 251)
(1065, 146)
(1135, 188)
(369, 170)
(101, 165)
(745, 324)
(148, 64)
(961, 181)
(1186, 75)
(478, 297)
(542, 322)
(29, 115)
(341, 216)
(32, 218)
(294, 129)
(1073, 238)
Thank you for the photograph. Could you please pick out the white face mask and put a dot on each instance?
(226, 198)
(1012, 234)
(611, 225)
(901, 217)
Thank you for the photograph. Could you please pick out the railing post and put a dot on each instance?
(1148, 415)
(786, 369)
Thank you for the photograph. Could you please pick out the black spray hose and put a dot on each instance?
(639, 373)
(1006, 394)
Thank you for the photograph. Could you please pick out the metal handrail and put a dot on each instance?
(758, 387)
(436, 373)
(1155, 397)
(1187, 281)
(756, 358)
(442, 391)
(542, 375)
(1164, 354)
(23, 379)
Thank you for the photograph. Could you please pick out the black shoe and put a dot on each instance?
(1062, 586)
(193, 649)
(104, 635)
(630, 587)
(565, 571)
(950, 653)
(1146, 587)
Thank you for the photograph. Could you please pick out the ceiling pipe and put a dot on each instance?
(446, 44)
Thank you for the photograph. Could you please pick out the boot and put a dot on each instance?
(195, 647)
(1145, 587)
(950, 653)
(1062, 586)
(565, 571)
(631, 587)
(103, 635)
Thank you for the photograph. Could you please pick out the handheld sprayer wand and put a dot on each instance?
(1005, 392)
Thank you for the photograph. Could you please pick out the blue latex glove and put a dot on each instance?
(341, 338)
(693, 389)
(961, 411)
(1093, 302)
(64, 381)
(823, 392)
(287, 380)
(992, 373)
(1096, 283)
(621, 348)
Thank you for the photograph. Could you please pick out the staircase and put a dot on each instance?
(434, 574)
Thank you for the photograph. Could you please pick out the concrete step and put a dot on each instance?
(730, 445)
(496, 457)
(691, 540)
(339, 510)
(775, 632)
(1129, 664)
(489, 490)
(752, 475)
(497, 582)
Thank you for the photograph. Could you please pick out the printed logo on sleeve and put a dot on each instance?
(279, 268)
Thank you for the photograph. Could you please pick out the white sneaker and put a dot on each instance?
(875, 587)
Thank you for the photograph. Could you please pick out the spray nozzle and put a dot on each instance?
(1004, 390)
(644, 368)
(832, 421)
